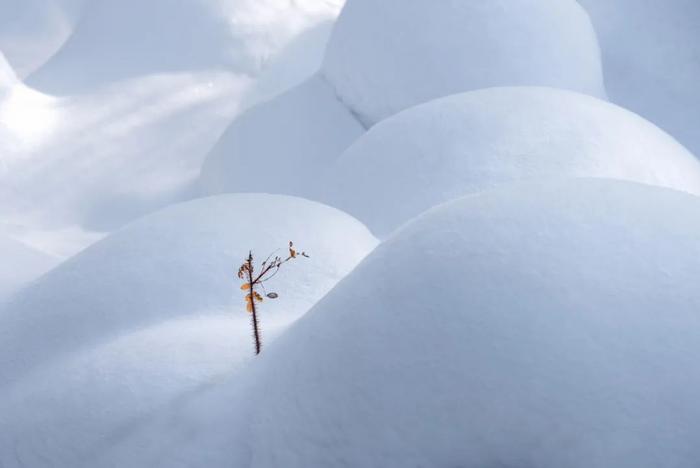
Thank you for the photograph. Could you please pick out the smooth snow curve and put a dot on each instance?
(176, 263)
(385, 56)
(651, 56)
(469, 142)
(7, 75)
(542, 325)
(20, 264)
(31, 31)
(118, 39)
(72, 410)
(282, 146)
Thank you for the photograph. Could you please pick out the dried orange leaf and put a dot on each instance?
(249, 307)
(245, 286)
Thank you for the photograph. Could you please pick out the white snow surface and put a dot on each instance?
(20, 264)
(651, 56)
(550, 325)
(31, 31)
(71, 411)
(7, 75)
(386, 56)
(282, 146)
(534, 303)
(178, 263)
(119, 39)
(132, 136)
(95, 161)
(469, 142)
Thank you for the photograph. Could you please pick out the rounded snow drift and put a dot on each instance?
(282, 146)
(115, 39)
(20, 265)
(469, 142)
(179, 262)
(386, 56)
(7, 76)
(31, 31)
(650, 56)
(554, 325)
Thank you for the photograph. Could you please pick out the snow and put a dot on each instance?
(71, 410)
(650, 53)
(31, 31)
(119, 39)
(7, 75)
(473, 141)
(282, 146)
(20, 265)
(131, 137)
(551, 324)
(177, 263)
(386, 56)
(299, 60)
(98, 160)
(534, 299)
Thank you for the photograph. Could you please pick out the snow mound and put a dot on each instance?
(115, 39)
(31, 31)
(179, 262)
(553, 325)
(473, 141)
(386, 56)
(282, 146)
(96, 161)
(7, 75)
(650, 54)
(75, 408)
(20, 264)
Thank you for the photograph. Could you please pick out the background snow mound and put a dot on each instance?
(95, 161)
(20, 264)
(552, 325)
(651, 54)
(119, 39)
(282, 146)
(31, 31)
(298, 61)
(175, 263)
(7, 75)
(82, 404)
(386, 56)
(472, 141)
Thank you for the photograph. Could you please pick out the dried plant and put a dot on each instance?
(252, 281)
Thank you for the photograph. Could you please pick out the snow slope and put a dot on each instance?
(70, 411)
(133, 137)
(550, 325)
(386, 56)
(118, 39)
(20, 264)
(282, 146)
(177, 263)
(31, 31)
(651, 54)
(96, 161)
(7, 75)
(473, 141)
